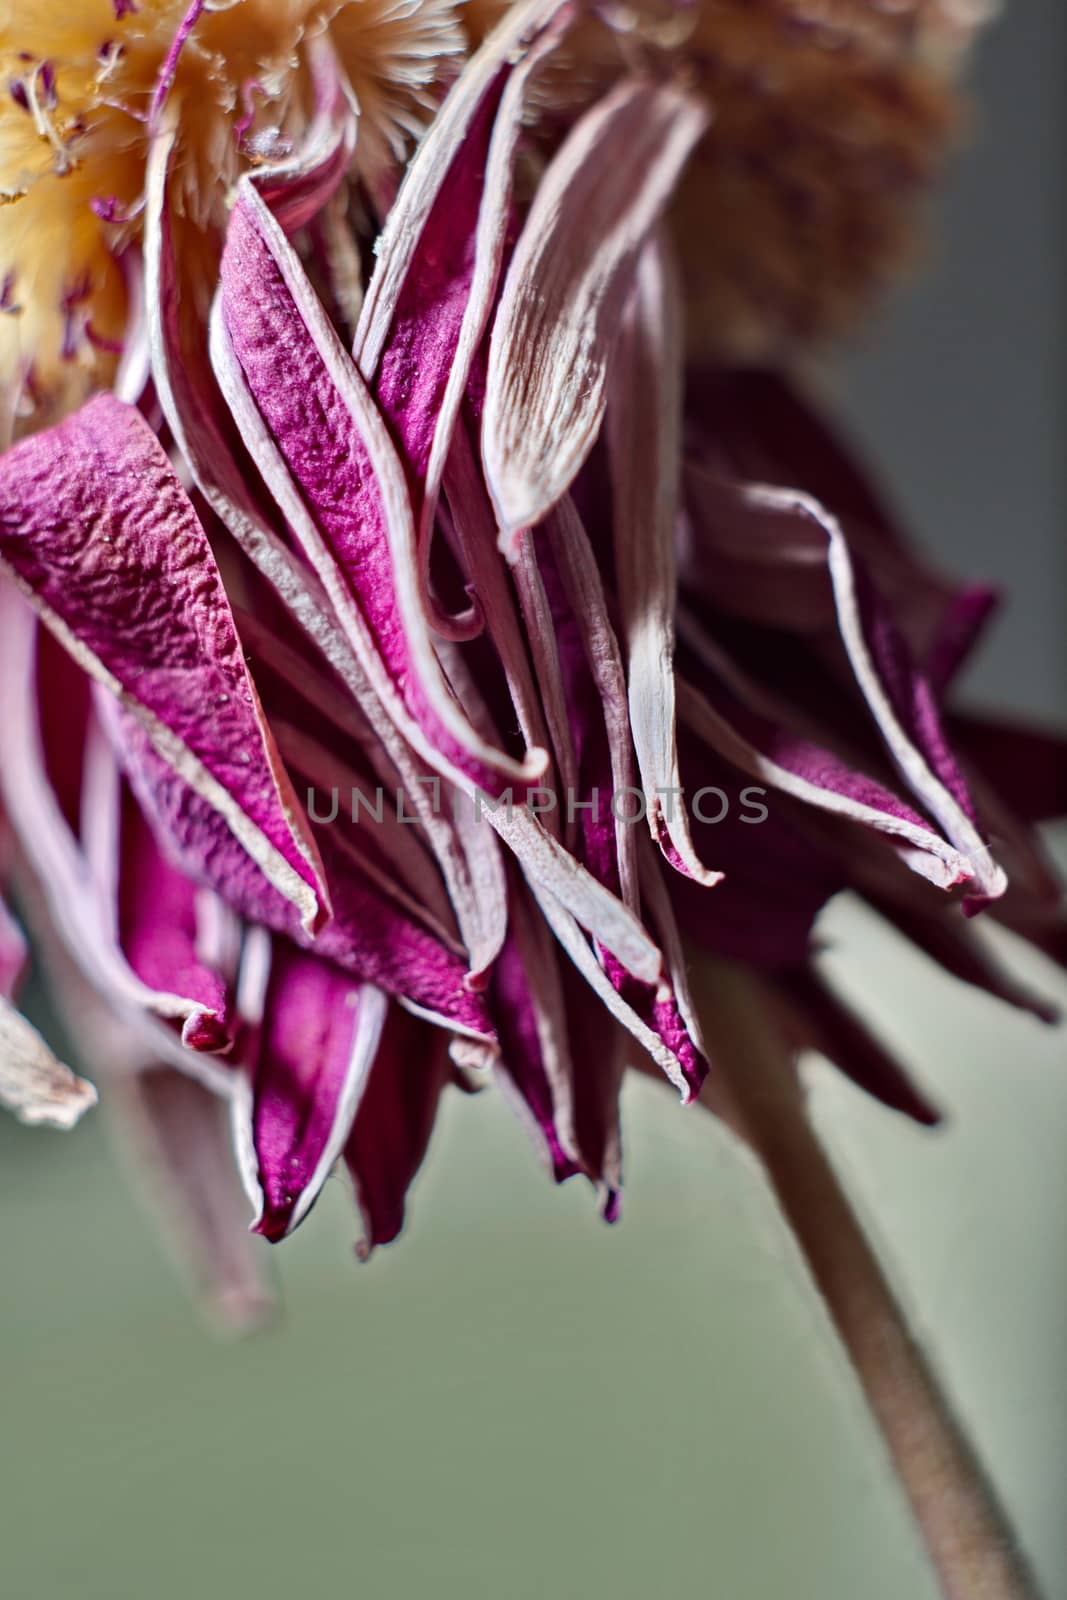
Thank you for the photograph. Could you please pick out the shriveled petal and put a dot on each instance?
(440, 256)
(12, 944)
(595, 693)
(759, 427)
(36, 1087)
(298, 188)
(314, 1050)
(960, 948)
(509, 47)
(153, 905)
(323, 448)
(778, 878)
(369, 935)
(644, 435)
(578, 577)
(76, 879)
(535, 1066)
(781, 760)
(654, 1022)
(600, 1045)
(394, 1122)
(97, 531)
(898, 697)
(1025, 764)
(197, 416)
(566, 287)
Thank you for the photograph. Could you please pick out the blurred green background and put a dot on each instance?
(517, 1401)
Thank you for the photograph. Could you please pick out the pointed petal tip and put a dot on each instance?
(274, 1224)
(206, 1034)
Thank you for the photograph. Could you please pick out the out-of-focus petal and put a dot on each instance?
(33, 1084)
(1025, 764)
(898, 697)
(175, 1133)
(152, 906)
(818, 1019)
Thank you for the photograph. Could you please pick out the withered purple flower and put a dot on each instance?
(425, 492)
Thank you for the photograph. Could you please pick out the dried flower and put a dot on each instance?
(509, 562)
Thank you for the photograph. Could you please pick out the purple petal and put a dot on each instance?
(440, 256)
(323, 448)
(369, 935)
(76, 878)
(314, 1050)
(535, 1064)
(394, 1122)
(807, 772)
(1025, 764)
(97, 531)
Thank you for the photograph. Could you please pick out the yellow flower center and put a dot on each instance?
(77, 84)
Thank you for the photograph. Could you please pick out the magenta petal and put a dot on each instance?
(394, 1122)
(596, 699)
(76, 872)
(529, 1009)
(369, 935)
(158, 932)
(440, 257)
(321, 444)
(12, 943)
(96, 529)
(756, 427)
(899, 699)
(12, 953)
(314, 1050)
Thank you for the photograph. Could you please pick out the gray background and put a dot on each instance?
(515, 1403)
(960, 392)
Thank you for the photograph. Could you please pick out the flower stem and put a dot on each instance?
(758, 1093)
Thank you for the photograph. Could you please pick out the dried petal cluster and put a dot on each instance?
(414, 647)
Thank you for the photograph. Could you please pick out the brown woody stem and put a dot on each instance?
(758, 1093)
